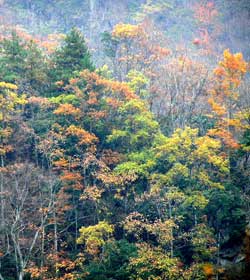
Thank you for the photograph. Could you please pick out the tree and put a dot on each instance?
(73, 56)
(12, 58)
(153, 263)
(94, 237)
(224, 97)
(10, 107)
(35, 71)
(28, 192)
(23, 63)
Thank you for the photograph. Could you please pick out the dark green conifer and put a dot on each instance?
(72, 57)
(12, 58)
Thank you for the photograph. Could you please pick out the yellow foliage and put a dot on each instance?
(8, 86)
(126, 31)
(94, 237)
(92, 193)
(192, 155)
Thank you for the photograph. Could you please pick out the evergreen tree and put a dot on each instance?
(22, 63)
(73, 56)
(36, 72)
(12, 58)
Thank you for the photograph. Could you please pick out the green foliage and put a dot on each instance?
(196, 200)
(22, 63)
(73, 56)
(153, 263)
(229, 201)
(12, 60)
(35, 68)
(189, 155)
(114, 262)
(110, 44)
(138, 82)
(137, 128)
(203, 243)
(125, 200)
(95, 236)
(104, 72)
(65, 99)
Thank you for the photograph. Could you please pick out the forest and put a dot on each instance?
(124, 140)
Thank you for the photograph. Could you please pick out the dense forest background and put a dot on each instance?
(124, 140)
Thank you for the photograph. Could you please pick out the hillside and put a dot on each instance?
(93, 17)
(124, 140)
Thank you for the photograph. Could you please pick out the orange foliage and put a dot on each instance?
(51, 42)
(224, 95)
(63, 265)
(120, 89)
(85, 138)
(97, 114)
(113, 102)
(219, 72)
(61, 163)
(59, 83)
(36, 272)
(226, 137)
(67, 109)
(109, 179)
(71, 176)
(77, 186)
(92, 98)
(92, 193)
(234, 67)
(73, 81)
(218, 109)
(208, 269)
(4, 149)
(48, 43)
(158, 52)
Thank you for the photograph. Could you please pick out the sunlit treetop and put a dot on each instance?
(127, 31)
(232, 66)
(94, 237)
(9, 100)
(224, 96)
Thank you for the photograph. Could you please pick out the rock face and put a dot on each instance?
(234, 268)
(235, 260)
(91, 16)
(96, 16)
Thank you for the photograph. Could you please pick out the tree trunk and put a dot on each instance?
(21, 275)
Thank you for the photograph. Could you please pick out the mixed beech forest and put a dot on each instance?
(124, 140)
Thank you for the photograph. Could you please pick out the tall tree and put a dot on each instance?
(12, 58)
(72, 57)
